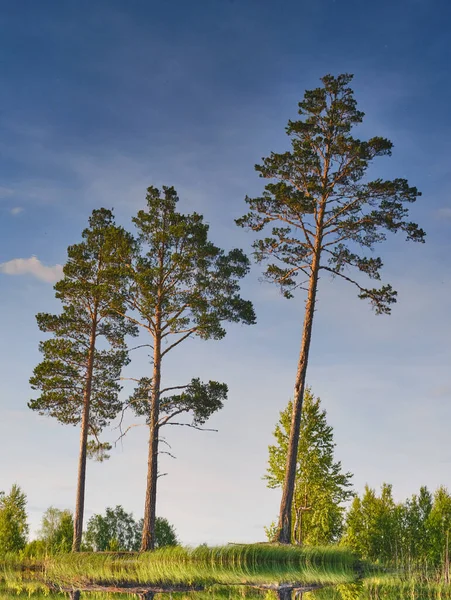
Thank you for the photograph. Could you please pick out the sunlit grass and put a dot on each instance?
(254, 564)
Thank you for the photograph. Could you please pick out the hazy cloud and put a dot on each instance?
(16, 210)
(6, 192)
(32, 266)
(445, 212)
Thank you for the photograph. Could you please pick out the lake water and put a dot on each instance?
(363, 589)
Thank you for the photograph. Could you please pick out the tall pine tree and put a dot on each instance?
(181, 286)
(77, 379)
(325, 217)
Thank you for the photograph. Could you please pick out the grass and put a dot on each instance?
(398, 587)
(253, 564)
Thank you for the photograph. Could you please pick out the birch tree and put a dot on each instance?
(325, 216)
(322, 487)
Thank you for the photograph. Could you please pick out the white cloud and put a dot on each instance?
(16, 210)
(32, 266)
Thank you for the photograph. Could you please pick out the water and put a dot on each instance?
(363, 589)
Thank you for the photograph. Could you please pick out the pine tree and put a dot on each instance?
(181, 286)
(325, 216)
(321, 487)
(78, 377)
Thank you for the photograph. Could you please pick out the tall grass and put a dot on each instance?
(254, 564)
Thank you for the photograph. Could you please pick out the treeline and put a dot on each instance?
(412, 535)
(318, 214)
(115, 530)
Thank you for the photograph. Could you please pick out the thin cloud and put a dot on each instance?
(16, 210)
(444, 213)
(32, 266)
(6, 192)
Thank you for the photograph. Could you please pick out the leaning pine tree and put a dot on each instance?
(181, 286)
(77, 380)
(325, 216)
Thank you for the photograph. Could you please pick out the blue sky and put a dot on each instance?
(101, 99)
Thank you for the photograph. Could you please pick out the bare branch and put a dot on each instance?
(141, 346)
(123, 434)
(337, 273)
(166, 452)
(193, 426)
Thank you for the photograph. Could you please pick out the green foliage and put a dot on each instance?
(181, 285)
(13, 521)
(371, 525)
(320, 205)
(199, 399)
(412, 535)
(164, 533)
(91, 293)
(36, 549)
(176, 268)
(321, 487)
(57, 530)
(117, 531)
(439, 524)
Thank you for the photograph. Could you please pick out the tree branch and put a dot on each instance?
(183, 338)
(334, 272)
(123, 434)
(175, 387)
(193, 426)
(166, 452)
(141, 346)
(165, 420)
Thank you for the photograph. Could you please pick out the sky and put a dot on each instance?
(101, 99)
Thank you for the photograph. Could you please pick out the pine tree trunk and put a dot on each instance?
(285, 515)
(81, 481)
(148, 534)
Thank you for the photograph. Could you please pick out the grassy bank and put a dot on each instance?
(254, 564)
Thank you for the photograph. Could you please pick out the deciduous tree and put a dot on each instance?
(13, 521)
(57, 530)
(371, 525)
(117, 530)
(325, 216)
(321, 486)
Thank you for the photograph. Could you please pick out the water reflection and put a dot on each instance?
(360, 590)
